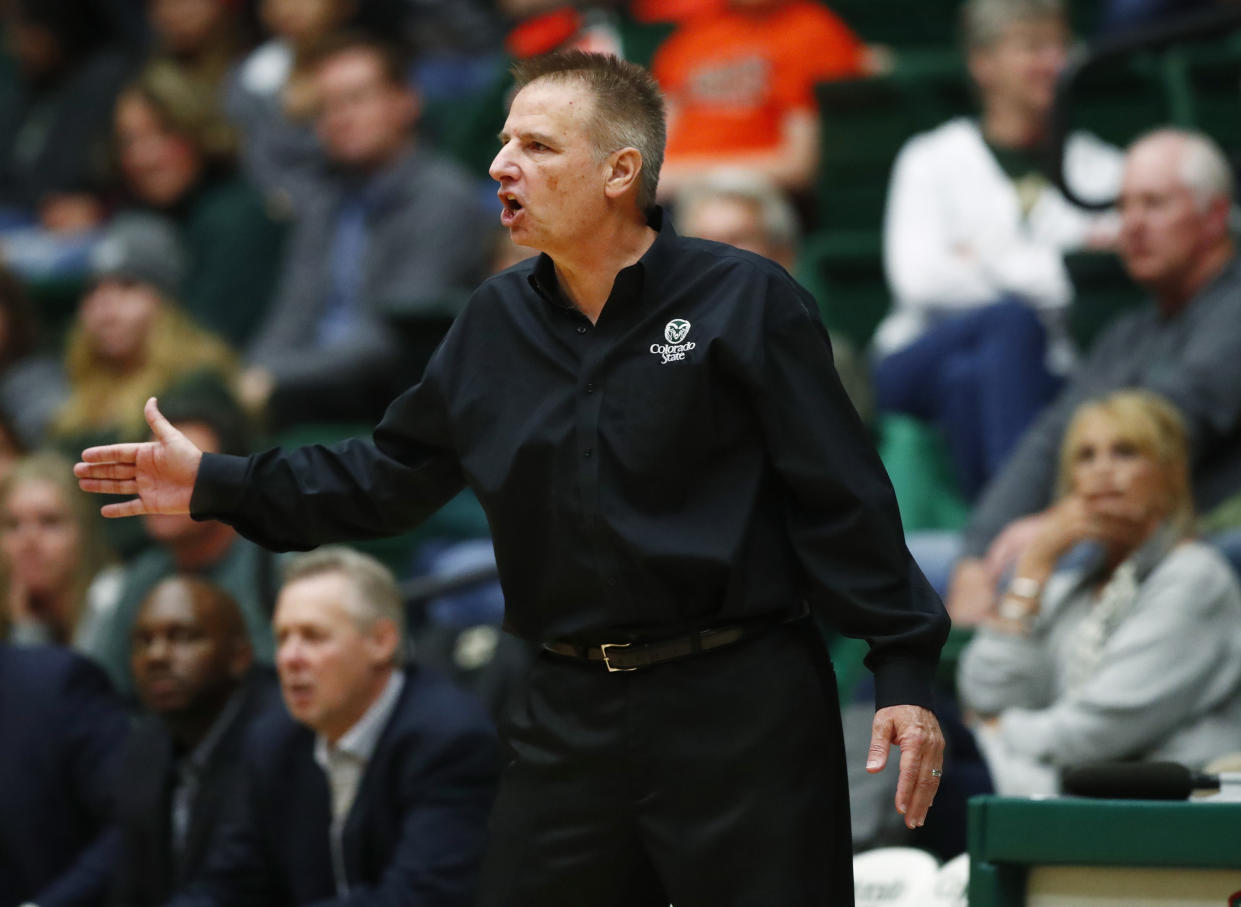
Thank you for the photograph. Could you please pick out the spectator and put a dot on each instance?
(410, 761)
(53, 126)
(1174, 241)
(739, 83)
(130, 339)
(192, 670)
(207, 549)
(1137, 656)
(56, 575)
(973, 242)
(393, 231)
(271, 98)
(175, 153)
(32, 383)
(203, 38)
(62, 727)
(746, 210)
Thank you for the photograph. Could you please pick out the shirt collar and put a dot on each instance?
(631, 283)
(361, 740)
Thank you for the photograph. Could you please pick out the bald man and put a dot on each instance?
(191, 663)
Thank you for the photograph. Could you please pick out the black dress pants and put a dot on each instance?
(715, 781)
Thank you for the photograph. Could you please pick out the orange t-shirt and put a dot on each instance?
(735, 75)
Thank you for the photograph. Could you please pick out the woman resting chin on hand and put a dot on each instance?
(1136, 655)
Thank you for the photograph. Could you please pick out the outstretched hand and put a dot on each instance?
(160, 472)
(916, 731)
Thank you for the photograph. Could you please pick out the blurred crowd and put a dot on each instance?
(267, 213)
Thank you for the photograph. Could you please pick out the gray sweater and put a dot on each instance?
(1167, 685)
(1193, 359)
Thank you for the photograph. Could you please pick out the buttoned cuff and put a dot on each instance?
(904, 681)
(219, 487)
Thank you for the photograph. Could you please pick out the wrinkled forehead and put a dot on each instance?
(563, 103)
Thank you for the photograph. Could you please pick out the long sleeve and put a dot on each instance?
(1167, 664)
(441, 841)
(840, 507)
(356, 489)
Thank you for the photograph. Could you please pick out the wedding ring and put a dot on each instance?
(936, 773)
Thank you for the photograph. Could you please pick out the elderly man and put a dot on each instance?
(672, 472)
(191, 665)
(374, 788)
(1175, 242)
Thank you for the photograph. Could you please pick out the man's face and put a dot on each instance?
(364, 120)
(551, 179)
(327, 663)
(1162, 232)
(1021, 68)
(734, 221)
(185, 655)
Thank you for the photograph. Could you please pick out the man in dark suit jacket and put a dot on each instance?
(375, 787)
(61, 726)
(191, 664)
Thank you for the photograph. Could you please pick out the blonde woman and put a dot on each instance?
(1136, 655)
(55, 569)
(130, 340)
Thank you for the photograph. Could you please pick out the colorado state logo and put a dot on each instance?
(675, 332)
(676, 329)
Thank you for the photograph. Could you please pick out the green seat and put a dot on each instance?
(844, 272)
(917, 461)
(1120, 100)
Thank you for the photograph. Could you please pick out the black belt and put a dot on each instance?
(630, 656)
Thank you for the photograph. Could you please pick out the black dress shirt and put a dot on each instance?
(689, 460)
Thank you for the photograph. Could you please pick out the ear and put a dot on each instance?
(1216, 219)
(978, 62)
(624, 170)
(382, 641)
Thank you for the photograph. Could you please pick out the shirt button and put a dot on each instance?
(612, 581)
(590, 388)
(587, 452)
(581, 329)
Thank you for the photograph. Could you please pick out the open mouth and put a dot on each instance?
(512, 208)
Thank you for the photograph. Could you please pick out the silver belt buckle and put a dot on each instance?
(603, 650)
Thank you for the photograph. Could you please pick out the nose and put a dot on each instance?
(288, 653)
(501, 165)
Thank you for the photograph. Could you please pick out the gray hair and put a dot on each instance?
(776, 213)
(1203, 167)
(376, 594)
(983, 22)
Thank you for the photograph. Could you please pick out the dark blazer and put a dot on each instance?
(61, 729)
(414, 835)
(146, 873)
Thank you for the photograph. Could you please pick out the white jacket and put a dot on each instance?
(955, 238)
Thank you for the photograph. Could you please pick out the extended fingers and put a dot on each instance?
(118, 471)
(132, 507)
(110, 453)
(108, 486)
